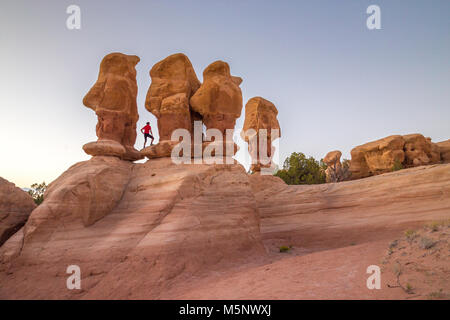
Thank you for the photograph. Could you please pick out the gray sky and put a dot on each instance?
(335, 83)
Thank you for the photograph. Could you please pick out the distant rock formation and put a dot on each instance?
(334, 171)
(260, 114)
(15, 207)
(219, 98)
(380, 156)
(420, 150)
(113, 98)
(444, 149)
(173, 83)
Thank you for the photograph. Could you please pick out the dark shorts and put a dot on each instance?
(148, 135)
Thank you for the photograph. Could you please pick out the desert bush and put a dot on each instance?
(426, 243)
(285, 248)
(393, 244)
(410, 235)
(409, 288)
(298, 169)
(437, 294)
(433, 226)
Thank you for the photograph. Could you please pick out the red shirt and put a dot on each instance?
(147, 128)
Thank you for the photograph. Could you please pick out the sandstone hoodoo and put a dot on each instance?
(178, 100)
(334, 171)
(113, 98)
(219, 98)
(15, 207)
(261, 116)
(219, 101)
(383, 155)
(173, 83)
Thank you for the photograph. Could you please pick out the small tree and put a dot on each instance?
(298, 169)
(37, 192)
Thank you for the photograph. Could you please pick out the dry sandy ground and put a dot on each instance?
(339, 273)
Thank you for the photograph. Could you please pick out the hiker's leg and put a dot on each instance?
(145, 140)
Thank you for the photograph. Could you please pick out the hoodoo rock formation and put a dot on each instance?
(260, 114)
(380, 156)
(173, 83)
(113, 98)
(177, 99)
(15, 207)
(162, 230)
(219, 98)
(334, 172)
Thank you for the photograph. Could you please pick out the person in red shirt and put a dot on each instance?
(147, 131)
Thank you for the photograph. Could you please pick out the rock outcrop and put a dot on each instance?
(260, 114)
(174, 82)
(334, 171)
(15, 207)
(377, 156)
(177, 229)
(420, 150)
(134, 229)
(113, 98)
(380, 156)
(219, 98)
(444, 149)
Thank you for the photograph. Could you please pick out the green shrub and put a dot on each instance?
(410, 235)
(298, 169)
(409, 288)
(285, 248)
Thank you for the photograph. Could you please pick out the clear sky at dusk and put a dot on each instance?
(335, 83)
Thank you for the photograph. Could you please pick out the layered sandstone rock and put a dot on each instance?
(444, 149)
(173, 83)
(85, 193)
(377, 156)
(260, 120)
(155, 224)
(380, 156)
(219, 98)
(210, 152)
(15, 207)
(113, 98)
(420, 150)
(177, 229)
(357, 210)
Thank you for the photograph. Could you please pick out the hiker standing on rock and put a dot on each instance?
(147, 131)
